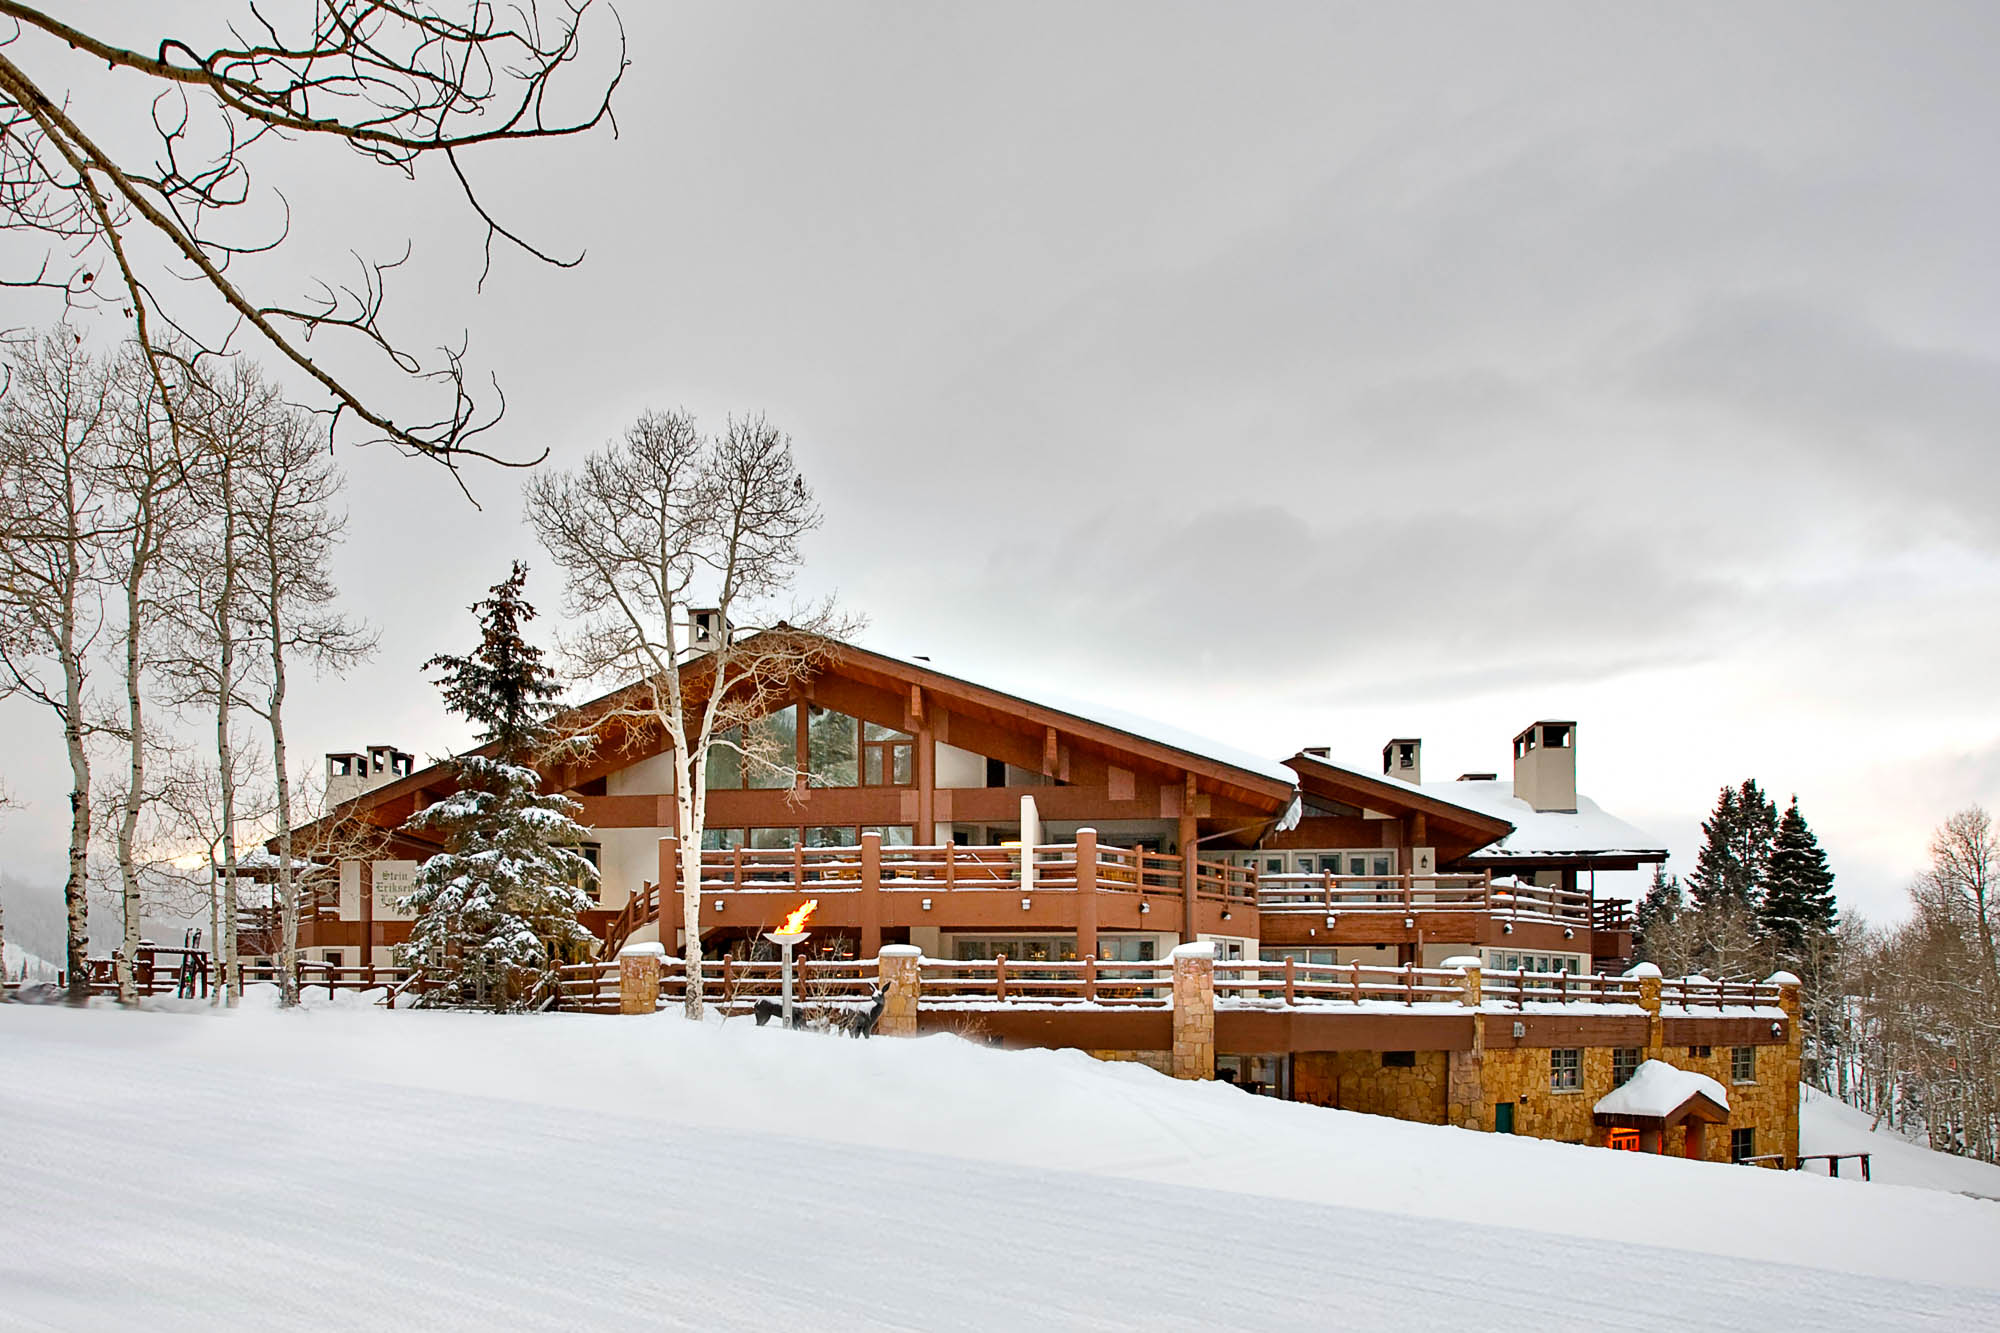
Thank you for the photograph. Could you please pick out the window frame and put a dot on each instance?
(1743, 1064)
(1566, 1069)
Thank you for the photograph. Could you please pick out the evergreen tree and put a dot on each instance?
(497, 910)
(1797, 907)
(1735, 857)
(1661, 906)
(504, 685)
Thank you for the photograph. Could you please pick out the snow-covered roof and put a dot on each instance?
(1587, 830)
(1657, 1089)
(1104, 715)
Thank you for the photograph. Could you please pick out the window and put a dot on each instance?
(1566, 1070)
(592, 884)
(1743, 1064)
(1742, 1143)
(894, 835)
(773, 839)
(832, 748)
(996, 772)
(773, 743)
(721, 839)
(1624, 1064)
(1399, 1059)
(1698, 1052)
(1018, 950)
(887, 756)
(1125, 949)
(724, 769)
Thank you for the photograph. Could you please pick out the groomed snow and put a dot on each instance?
(182, 1170)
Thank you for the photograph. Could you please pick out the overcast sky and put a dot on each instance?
(1301, 374)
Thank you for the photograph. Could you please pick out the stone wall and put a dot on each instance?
(1522, 1075)
(1359, 1081)
(1163, 1061)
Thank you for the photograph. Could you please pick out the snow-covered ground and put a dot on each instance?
(1827, 1124)
(361, 1168)
(20, 963)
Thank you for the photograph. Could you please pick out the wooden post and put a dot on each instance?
(950, 865)
(1000, 977)
(1291, 980)
(871, 895)
(1190, 888)
(667, 897)
(1090, 978)
(1086, 892)
(367, 877)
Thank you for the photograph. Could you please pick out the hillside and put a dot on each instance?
(455, 1171)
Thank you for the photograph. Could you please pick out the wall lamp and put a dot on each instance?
(1568, 933)
(1330, 920)
(1025, 904)
(718, 904)
(1506, 927)
(1409, 923)
(1145, 908)
(927, 904)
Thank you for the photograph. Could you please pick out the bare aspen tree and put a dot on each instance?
(288, 490)
(661, 522)
(147, 472)
(168, 231)
(53, 529)
(209, 659)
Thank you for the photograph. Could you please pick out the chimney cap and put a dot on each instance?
(1318, 751)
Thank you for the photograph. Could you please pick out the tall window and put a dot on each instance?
(832, 744)
(888, 756)
(1565, 1070)
(773, 742)
(1742, 1144)
(1743, 1064)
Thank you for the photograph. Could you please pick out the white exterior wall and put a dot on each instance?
(393, 880)
(630, 858)
(960, 769)
(649, 777)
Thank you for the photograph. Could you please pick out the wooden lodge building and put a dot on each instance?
(926, 809)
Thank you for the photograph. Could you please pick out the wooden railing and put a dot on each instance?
(1037, 982)
(1418, 895)
(158, 970)
(330, 977)
(1611, 915)
(1701, 993)
(1290, 982)
(1523, 988)
(942, 870)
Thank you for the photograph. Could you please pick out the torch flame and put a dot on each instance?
(797, 920)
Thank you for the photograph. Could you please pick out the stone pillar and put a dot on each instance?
(639, 978)
(1648, 977)
(1465, 1071)
(1194, 1010)
(898, 973)
(1792, 1002)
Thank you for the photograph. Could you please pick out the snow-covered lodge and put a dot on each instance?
(989, 832)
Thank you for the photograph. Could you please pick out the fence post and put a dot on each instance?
(639, 977)
(1194, 1010)
(899, 971)
(1086, 893)
(1790, 1000)
(871, 894)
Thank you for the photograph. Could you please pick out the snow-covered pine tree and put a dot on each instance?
(1735, 855)
(1659, 907)
(1797, 906)
(496, 911)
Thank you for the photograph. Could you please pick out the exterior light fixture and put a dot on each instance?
(927, 904)
(1520, 1030)
(1225, 916)
(1568, 933)
(1145, 908)
(1330, 919)
(1409, 923)
(1777, 1029)
(1506, 927)
(1025, 904)
(718, 904)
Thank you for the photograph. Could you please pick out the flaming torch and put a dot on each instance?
(787, 935)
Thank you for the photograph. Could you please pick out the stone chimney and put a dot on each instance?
(705, 629)
(349, 775)
(1404, 758)
(1545, 766)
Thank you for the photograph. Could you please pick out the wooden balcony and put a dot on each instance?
(1082, 887)
(1408, 909)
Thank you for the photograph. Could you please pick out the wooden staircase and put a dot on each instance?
(641, 908)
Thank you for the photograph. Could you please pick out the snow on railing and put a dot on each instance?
(1044, 982)
(1290, 982)
(1701, 993)
(1522, 988)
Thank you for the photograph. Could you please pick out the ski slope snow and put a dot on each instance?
(344, 1166)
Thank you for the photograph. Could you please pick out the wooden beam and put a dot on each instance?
(1048, 752)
